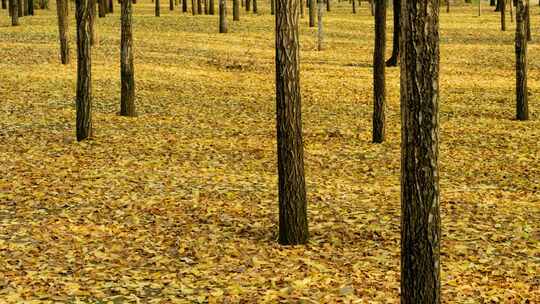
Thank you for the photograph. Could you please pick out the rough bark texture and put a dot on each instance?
(127, 97)
(503, 15)
(312, 13)
(102, 8)
(84, 70)
(157, 9)
(420, 211)
(320, 33)
(293, 226)
(236, 10)
(63, 30)
(522, 104)
(379, 91)
(14, 12)
(393, 60)
(211, 9)
(222, 16)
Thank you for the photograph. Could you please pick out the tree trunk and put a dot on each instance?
(511, 11)
(205, 7)
(92, 21)
(25, 7)
(491, 2)
(528, 22)
(171, 5)
(320, 34)
(327, 5)
(4, 4)
(480, 7)
(293, 225)
(31, 7)
(393, 60)
(13, 8)
(499, 6)
(184, 6)
(102, 6)
(272, 7)
(157, 9)
(111, 6)
(302, 8)
(199, 7)
(448, 5)
(222, 16)
(211, 10)
(522, 103)
(84, 70)
(379, 91)
(420, 210)
(312, 13)
(127, 97)
(248, 5)
(503, 15)
(63, 30)
(20, 8)
(193, 7)
(354, 6)
(236, 10)
(254, 3)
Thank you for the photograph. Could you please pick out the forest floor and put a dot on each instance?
(180, 204)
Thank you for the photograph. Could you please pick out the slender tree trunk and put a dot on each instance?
(327, 5)
(393, 60)
(320, 34)
(84, 70)
(511, 11)
(302, 8)
(193, 7)
(25, 7)
(312, 13)
(272, 7)
(491, 2)
(528, 22)
(14, 12)
(222, 16)
(127, 97)
(205, 7)
(448, 6)
(20, 8)
(248, 4)
(498, 6)
(503, 15)
(522, 103)
(211, 10)
(111, 6)
(102, 8)
(254, 3)
(293, 225)
(31, 7)
(236, 10)
(420, 210)
(157, 8)
(4, 4)
(354, 6)
(199, 7)
(63, 30)
(479, 7)
(184, 6)
(171, 5)
(379, 90)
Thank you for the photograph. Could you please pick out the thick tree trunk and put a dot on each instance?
(236, 10)
(13, 8)
(503, 15)
(522, 103)
(157, 8)
(211, 9)
(222, 16)
(127, 97)
(379, 91)
(293, 225)
(393, 60)
(420, 211)
(84, 70)
(312, 13)
(320, 34)
(63, 30)
(102, 8)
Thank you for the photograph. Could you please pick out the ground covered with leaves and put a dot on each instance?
(180, 204)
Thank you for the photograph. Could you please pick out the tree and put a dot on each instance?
(354, 6)
(327, 5)
(420, 210)
(84, 69)
(171, 5)
(102, 8)
(522, 104)
(31, 7)
(193, 7)
(91, 20)
(293, 225)
(255, 10)
(184, 6)
(157, 9)
(379, 72)
(236, 10)
(111, 6)
(211, 9)
(222, 16)
(311, 13)
(14, 12)
(127, 97)
(528, 22)
(4, 4)
(272, 7)
(20, 10)
(320, 34)
(503, 14)
(63, 31)
(393, 60)
(199, 7)
(247, 5)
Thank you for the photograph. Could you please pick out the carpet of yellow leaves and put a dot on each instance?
(179, 205)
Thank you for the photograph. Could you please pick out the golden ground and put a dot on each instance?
(180, 203)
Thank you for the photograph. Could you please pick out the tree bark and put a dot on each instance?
(420, 211)
(248, 5)
(25, 7)
(393, 60)
(503, 15)
(327, 5)
(4, 4)
(302, 8)
(320, 34)
(157, 8)
(84, 70)
(236, 10)
(31, 7)
(127, 97)
(193, 7)
(379, 91)
(111, 6)
(13, 8)
(20, 8)
(171, 5)
(272, 7)
(199, 7)
(522, 103)
(293, 225)
(92, 21)
(254, 3)
(528, 22)
(184, 6)
(102, 8)
(205, 7)
(63, 30)
(222, 16)
(312, 13)
(354, 6)
(211, 10)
